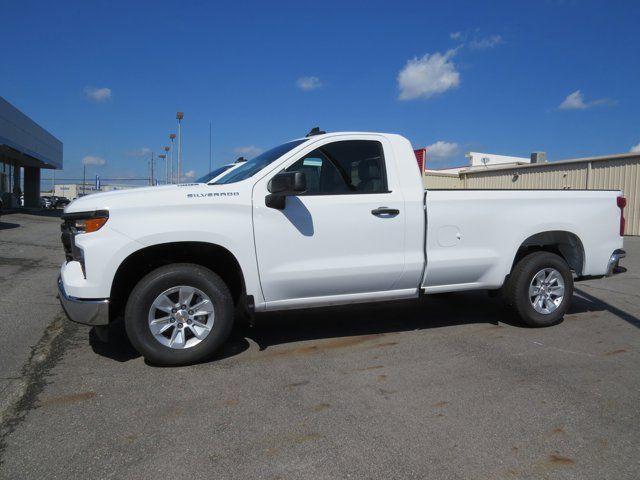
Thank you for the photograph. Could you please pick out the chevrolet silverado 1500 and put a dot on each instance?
(324, 220)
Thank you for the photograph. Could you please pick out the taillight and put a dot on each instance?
(622, 202)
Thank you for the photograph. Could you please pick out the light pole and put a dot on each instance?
(179, 117)
(209, 145)
(166, 164)
(164, 157)
(172, 137)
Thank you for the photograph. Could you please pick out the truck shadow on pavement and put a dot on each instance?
(436, 311)
(595, 304)
(7, 225)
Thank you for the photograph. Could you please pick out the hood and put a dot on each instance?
(147, 197)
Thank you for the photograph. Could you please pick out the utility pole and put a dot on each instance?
(84, 178)
(166, 165)
(209, 145)
(179, 117)
(152, 172)
(172, 137)
(163, 157)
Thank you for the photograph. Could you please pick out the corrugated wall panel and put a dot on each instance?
(623, 175)
(440, 181)
(543, 177)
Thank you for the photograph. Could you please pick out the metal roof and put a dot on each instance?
(27, 142)
(618, 156)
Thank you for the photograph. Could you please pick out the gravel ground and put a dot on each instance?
(446, 387)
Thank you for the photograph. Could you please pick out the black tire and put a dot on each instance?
(517, 288)
(160, 280)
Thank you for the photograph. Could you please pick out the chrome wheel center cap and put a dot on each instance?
(181, 316)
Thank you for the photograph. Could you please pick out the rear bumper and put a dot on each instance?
(88, 312)
(614, 262)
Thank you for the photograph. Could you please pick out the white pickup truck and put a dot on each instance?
(328, 219)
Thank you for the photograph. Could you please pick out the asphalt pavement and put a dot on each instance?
(30, 257)
(446, 387)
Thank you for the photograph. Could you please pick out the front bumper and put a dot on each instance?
(614, 262)
(88, 312)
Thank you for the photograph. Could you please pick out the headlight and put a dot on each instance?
(88, 225)
(86, 222)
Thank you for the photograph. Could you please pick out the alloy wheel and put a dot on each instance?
(181, 317)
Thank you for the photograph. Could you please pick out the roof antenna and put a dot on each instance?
(315, 131)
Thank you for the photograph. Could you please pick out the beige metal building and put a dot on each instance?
(613, 172)
(440, 181)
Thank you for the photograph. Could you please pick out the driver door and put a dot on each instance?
(331, 244)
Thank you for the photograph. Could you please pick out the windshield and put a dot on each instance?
(213, 174)
(256, 164)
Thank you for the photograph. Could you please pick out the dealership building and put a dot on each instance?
(25, 149)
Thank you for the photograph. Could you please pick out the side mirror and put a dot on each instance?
(282, 185)
(288, 183)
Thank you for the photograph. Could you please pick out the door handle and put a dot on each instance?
(385, 212)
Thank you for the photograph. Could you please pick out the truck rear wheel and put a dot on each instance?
(540, 289)
(179, 314)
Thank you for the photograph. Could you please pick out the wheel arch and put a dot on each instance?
(561, 242)
(139, 263)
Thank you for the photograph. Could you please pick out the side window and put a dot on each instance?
(351, 166)
(318, 170)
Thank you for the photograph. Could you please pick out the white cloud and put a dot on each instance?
(97, 94)
(455, 36)
(427, 76)
(141, 152)
(485, 43)
(442, 149)
(91, 160)
(635, 148)
(308, 83)
(576, 101)
(249, 151)
(190, 174)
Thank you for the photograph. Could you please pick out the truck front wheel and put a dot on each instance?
(179, 314)
(540, 289)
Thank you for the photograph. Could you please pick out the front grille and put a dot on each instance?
(67, 238)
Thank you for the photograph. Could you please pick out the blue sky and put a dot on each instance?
(107, 77)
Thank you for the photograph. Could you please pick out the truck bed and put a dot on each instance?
(472, 236)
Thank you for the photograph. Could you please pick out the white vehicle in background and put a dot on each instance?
(218, 172)
(328, 219)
